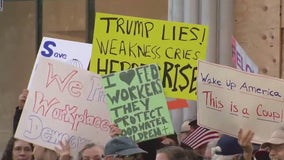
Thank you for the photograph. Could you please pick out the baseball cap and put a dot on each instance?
(228, 146)
(277, 137)
(123, 146)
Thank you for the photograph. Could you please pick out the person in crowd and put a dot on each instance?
(197, 141)
(244, 140)
(186, 128)
(114, 130)
(42, 153)
(122, 148)
(231, 148)
(18, 150)
(150, 146)
(193, 125)
(191, 154)
(91, 151)
(169, 140)
(21, 102)
(175, 153)
(190, 127)
(39, 152)
(209, 147)
(261, 154)
(63, 152)
(275, 144)
(227, 147)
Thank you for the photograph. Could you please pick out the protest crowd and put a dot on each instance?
(138, 125)
(192, 143)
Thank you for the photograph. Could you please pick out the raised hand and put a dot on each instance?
(114, 130)
(244, 139)
(64, 151)
(22, 98)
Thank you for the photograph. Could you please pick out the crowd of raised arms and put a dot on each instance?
(192, 143)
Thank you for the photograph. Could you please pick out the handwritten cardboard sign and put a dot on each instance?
(137, 103)
(64, 103)
(75, 53)
(124, 42)
(230, 99)
(241, 60)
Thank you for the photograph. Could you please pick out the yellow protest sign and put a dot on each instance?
(124, 42)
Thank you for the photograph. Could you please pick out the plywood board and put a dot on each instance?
(257, 29)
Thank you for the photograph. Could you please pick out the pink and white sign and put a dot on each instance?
(65, 103)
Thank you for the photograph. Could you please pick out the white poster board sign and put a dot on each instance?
(64, 103)
(75, 53)
(230, 99)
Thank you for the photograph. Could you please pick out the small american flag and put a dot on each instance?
(199, 137)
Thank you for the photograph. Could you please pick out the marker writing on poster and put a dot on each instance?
(126, 26)
(177, 62)
(212, 101)
(36, 131)
(73, 87)
(210, 79)
(267, 113)
(258, 90)
(67, 113)
(182, 33)
(131, 105)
